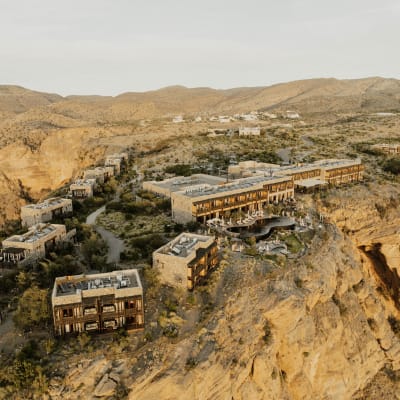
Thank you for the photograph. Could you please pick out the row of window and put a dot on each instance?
(131, 304)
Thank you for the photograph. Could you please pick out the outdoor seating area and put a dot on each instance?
(247, 220)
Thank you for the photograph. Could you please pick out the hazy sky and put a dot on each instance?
(114, 46)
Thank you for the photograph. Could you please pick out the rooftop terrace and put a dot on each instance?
(238, 184)
(180, 182)
(47, 203)
(183, 245)
(84, 182)
(70, 285)
(35, 233)
(336, 163)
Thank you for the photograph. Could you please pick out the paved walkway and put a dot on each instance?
(115, 245)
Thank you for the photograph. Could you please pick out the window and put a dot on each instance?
(129, 304)
(108, 308)
(90, 310)
(68, 312)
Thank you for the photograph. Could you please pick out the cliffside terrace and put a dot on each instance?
(248, 194)
(186, 259)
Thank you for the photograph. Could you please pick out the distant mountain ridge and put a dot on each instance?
(307, 96)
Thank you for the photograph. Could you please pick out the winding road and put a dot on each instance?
(115, 245)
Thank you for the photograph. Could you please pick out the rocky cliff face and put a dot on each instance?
(321, 347)
(57, 158)
(11, 198)
(316, 329)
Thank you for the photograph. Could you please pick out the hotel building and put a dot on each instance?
(203, 202)
(98, 303)
(186, 260)
(116, 161)
(33, 214)
(83, 188)
(202, 197)
(36, 243)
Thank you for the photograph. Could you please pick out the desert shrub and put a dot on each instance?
(8, 282)
(144, 207)
(171, 304)
(267, 328)
(394, 325)
(392, 165)
(298, 282)
(372, 324)
(171, 330)
(339, 304)
(367, 149)
(178, 228)
(179, 169)
(144, 194)
(262, 156)
(54, 266)
(83, 339)
(145, 245)
(381, 210)
(26, 371)
(192, 226)
(394, 376)
(191, 362)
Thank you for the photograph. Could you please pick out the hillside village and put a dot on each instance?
(259, 213)
(145, 254)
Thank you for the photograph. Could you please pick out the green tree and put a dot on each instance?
(94, 250)
(33, 309)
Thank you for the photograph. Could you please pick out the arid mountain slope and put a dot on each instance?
(344, 95)
(16, 99)
(308, 96)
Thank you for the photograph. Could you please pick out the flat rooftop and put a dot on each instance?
(84, 182)
(390, 145)
(47, 203)
(96, 169)
(70, 285)
(336, 163)
(238, 184)
(178, 183)
(183, 245)
(35, 233)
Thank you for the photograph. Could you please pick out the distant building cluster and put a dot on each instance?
(41, 236)
(85, 187)
(249, 117)
(249, 131)
(387, 148)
